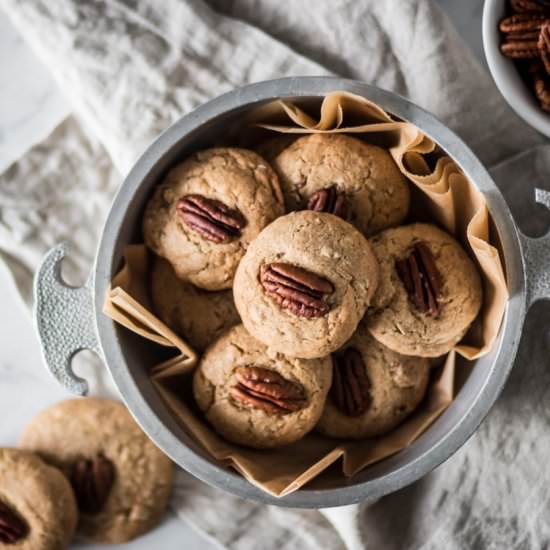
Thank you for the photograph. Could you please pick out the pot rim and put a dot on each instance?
(163, 435)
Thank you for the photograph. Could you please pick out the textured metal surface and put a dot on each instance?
(64, 318)
(536, 256)
(128, 356)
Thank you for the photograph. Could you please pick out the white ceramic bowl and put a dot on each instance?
(505, 73)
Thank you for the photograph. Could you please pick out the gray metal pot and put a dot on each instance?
(70, 319)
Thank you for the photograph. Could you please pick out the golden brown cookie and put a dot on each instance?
(429, 292)
(208, 209)
(373, 388)
(122, 481)
(199, 316)
(345, 176)
(37, 505)
(256, 397)
(305, 283)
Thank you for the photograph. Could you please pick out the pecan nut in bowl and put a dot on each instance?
(373, 389)
(541, 84)
(430, 291)
(521, 6)
(38, 510)
(544, 46)
(525, 38)
(253, 396)
(521, 35)
(305, 283)
(344, 176)
(204, 214)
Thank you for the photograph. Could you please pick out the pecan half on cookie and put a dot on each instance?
(255, 397)
(350, 383)
(305, 283)
(121, 480)
(210, 218)
(267, 390)
(12, 527)
(344, 176)
(205, 213)
(300, 291)
(92, 481)
(373, 389)
(421, 279)
(38, 509)
(430, 291)
(329, 200)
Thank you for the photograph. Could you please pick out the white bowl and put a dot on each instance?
(505, 73)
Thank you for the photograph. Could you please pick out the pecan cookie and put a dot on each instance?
(256, 397)
(344, 176)
(305, 283)
(197, 315)
(373, 388)
(37, 505)
(206, 212)
(122, 481)
(429, 293)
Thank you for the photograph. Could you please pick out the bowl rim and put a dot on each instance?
(505, 74)
(107, 263)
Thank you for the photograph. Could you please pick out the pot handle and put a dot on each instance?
(536, 257)
(64, 320)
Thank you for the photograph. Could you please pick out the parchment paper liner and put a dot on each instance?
(441, 194)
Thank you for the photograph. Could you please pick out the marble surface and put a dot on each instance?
(30, 107)
(26, 388)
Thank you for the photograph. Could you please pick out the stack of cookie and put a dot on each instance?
(84, 468)
(312, 305)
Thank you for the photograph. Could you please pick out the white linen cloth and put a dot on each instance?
(132, 67)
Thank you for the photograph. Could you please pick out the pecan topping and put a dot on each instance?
(526, 36)
(329, 200)
(296, 289)
(530, 5)
(210, 218)
(522, 22)
(12, 527)
(522, 35)
(544, 45)
(350, 389)
(421, 279)
(520, 49)
(267, 390)
(541, 84)
(92, 481)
